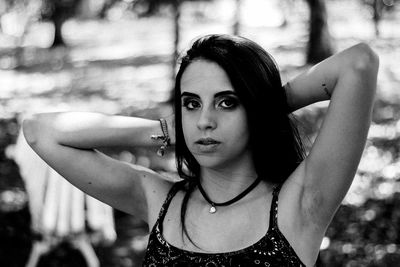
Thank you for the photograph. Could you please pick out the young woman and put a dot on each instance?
(237, 151)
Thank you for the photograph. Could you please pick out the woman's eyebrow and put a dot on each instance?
(223, 93)
(189, 94)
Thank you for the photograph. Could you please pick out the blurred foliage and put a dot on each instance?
(150, 7)
(381, 5)
(16, 237)
(14, 213)
(365, 236)
(378, 9)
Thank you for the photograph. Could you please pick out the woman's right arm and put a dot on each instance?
(68, 141)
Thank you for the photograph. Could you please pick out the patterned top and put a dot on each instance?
(272, 249)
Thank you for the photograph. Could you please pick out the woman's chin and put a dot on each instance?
(214, 162)
(208, 160)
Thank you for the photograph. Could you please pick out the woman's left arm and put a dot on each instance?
(348, 79)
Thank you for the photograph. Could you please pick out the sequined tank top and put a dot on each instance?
(272, 249)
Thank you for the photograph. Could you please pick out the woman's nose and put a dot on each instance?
(206, 120)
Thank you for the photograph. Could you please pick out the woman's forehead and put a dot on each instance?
(203, 75)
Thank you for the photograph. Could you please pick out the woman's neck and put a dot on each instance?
(223, 185)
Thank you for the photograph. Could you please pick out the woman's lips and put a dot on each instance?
(207, 141)
(207, 145)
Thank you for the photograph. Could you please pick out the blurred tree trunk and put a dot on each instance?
(58, 20)
(236, 22)
(377, 6)
(60, 11)
(176, 9)
(320, 42)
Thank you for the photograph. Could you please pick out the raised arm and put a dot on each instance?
(348, 79)
(68, 142)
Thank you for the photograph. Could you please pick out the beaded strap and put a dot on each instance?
(273, 215)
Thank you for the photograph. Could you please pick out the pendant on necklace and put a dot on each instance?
(213, 209)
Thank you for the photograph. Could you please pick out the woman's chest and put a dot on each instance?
(229, 229)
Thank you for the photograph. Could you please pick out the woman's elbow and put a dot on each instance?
(35, 127)
(29, 129)
(365, 59)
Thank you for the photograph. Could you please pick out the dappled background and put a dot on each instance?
(118, 57)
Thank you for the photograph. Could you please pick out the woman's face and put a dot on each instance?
(213, 118)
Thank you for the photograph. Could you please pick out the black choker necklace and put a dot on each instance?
(213, 208)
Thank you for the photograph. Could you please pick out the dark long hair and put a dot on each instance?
(274, 139)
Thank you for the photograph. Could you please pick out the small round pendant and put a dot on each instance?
(213, 209)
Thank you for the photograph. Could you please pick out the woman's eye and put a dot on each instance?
(190, 104)
(228, 103)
